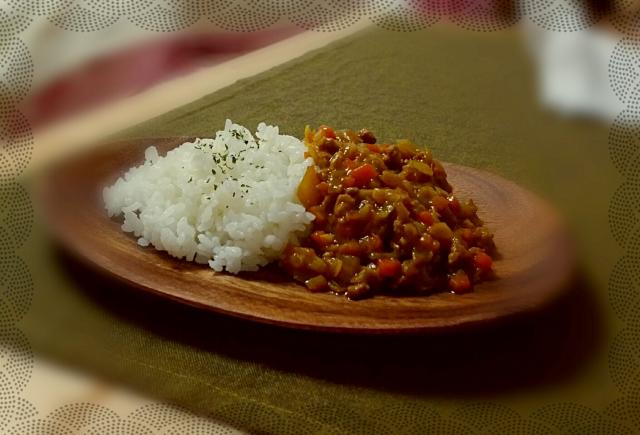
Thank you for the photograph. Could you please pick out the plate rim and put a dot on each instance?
(91, 258)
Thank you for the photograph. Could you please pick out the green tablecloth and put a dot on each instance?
(471, 98)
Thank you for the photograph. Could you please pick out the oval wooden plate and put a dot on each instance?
(535, 265)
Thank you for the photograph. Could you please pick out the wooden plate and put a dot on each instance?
(535, 265)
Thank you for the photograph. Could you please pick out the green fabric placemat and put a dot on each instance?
(471, 98)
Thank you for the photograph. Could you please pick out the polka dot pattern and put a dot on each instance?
(273, 421)
(624, 216)
(159, 416)
(626, 18)
(485, 15)
(16, 216)
(121, 8)
(39, 7)
(317, 15)
(16, 213)
(624, 73)
(626, 409)
(16, 364)
(245, 16)
(624, 140)
(80, 19)
(16, 359)
(532, 8)
(16, 144)
(165, 18)
(574, 418)
(482, 415)
(19, 212)
(16, 75)
(624, 288)
(562, 15)
(91, 419)
(17, 286)
(624, 213)
(171, 420)
(408, 16)
(39, 427)
(13, 23)
(488, 417)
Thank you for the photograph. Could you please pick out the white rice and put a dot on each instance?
(229, 201)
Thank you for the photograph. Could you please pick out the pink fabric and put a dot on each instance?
(137, 68)
(131, 71)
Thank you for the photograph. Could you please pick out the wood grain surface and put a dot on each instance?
(535, 264)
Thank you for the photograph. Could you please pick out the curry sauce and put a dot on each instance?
(385, 221)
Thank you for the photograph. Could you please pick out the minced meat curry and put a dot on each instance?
(385, 221)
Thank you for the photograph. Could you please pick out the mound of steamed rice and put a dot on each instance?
(229, 201)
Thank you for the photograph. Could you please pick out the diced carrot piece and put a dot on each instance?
(388, 267)
(320, 216)
(323, 188)
(454, 205)
(435, 245)
(363, 174)
(374, 148)
(440, 203)
(459, 282)
(348, 181)
(426, 241)
(425, 217)
(328, 131)
(348, 164)
(466, 234)
(317, 235)
(482, 261)
(376, 242)
(321, 238)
